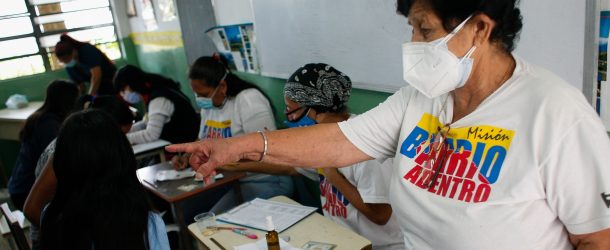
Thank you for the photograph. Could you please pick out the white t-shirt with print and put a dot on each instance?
(370, 179)
(247, 112)
(530, 162)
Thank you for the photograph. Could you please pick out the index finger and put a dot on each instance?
(191, 147)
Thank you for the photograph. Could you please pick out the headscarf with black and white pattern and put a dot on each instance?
(319, 86)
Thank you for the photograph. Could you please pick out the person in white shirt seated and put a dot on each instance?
(232, 107)
(170, 115)
(357, 196)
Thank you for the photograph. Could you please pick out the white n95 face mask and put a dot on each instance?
(432, 69)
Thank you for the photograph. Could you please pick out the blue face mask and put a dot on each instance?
(132, 97)
(304, 121)
(70, 64)
(204, 102)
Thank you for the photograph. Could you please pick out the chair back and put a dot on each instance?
(16, 230)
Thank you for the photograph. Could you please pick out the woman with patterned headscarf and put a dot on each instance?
(355, 197)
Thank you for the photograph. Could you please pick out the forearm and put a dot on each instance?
(95, 85)
(377, 213)
(152, 131)
(258, 167)
(322, 145)
(593, 241)
(41, 193)
(96, 80)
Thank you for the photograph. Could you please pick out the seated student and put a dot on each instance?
(40, 129)
(44, 188)
(231, 107)
(357, 196)
(99, 202)
(170, 115)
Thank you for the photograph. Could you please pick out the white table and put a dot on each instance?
(313, 228)
(12, 120)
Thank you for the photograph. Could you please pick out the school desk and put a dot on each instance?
(12, 120)
(150, 149)
(313, 228)
(174, 192)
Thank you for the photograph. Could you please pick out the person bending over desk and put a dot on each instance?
(170, 115)
(490, 151)
(99, 202)
(357, 196)
(86, 63)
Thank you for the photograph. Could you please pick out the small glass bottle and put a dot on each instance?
(273, 239)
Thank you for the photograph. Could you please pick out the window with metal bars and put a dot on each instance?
(29, 30)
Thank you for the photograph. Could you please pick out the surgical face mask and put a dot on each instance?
(132, 97)
(70, 64)
(432, 69)
(205, 102)
(303, 121)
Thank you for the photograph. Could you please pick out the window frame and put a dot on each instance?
(37, 33)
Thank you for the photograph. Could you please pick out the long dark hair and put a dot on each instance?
(140, 81)
(66, 45)
(212, 69)
(59, 100)
(113, 105)
(99, 202)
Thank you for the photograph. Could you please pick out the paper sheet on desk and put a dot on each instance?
(166, 175)
(262, 245)
(253, 214)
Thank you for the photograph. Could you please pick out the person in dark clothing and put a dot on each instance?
(170, 115)
(39, 130)
(86, 63)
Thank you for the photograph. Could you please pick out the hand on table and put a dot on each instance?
(180, 162)
(207, 155)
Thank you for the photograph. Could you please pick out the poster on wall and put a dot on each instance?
(148, 15)
(131, 8)
(604, 28)
(167, 10)
(603, 93)
(236, 44)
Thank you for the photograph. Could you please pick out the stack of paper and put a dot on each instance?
(253, 214)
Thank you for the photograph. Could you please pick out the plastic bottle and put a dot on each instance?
(273, 239)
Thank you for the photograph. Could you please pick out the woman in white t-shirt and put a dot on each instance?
(232, 107)
(490, 152)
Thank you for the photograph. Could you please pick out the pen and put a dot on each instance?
(244, 233)
(238, 230)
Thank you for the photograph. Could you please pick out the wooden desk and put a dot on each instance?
(12, 120)
(313, 228)
(170, 192)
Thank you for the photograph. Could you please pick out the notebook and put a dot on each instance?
(252, 214)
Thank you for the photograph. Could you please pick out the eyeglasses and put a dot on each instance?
(439, 151)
